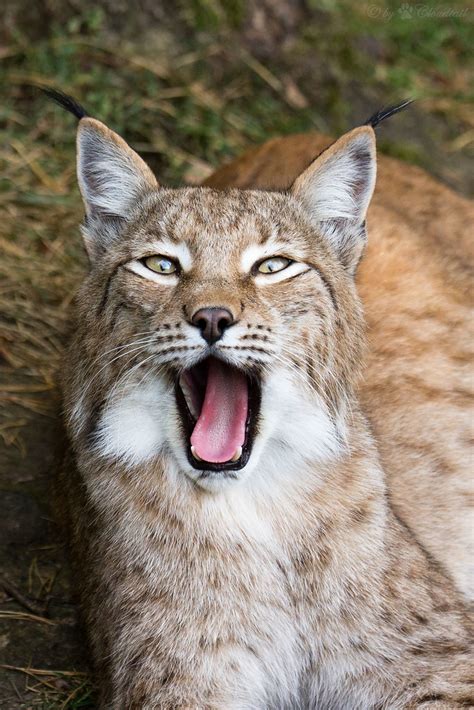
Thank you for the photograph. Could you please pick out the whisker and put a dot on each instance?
(128, 350)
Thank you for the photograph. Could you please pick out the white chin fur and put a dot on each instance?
(294, 429)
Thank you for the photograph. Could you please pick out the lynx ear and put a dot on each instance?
(336, 190)
(112, 177)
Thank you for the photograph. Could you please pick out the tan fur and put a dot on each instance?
(299, 585)
(415, 283)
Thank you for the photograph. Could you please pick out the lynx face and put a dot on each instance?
(220, 330)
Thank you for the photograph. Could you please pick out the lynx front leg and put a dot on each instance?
(197, 656)
(210, 682)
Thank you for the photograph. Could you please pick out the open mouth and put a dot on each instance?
(219, 406)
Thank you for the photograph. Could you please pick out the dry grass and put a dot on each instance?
(61, 690)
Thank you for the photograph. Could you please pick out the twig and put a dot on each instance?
(23, 600)
(24, 616)
(16, 691)
(44, 671)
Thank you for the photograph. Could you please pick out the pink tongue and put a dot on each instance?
(220, 428)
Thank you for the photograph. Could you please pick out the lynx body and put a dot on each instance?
(235, 539)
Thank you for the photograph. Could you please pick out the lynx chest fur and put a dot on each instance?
(230, 520)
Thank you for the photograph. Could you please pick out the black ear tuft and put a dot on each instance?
(384, 113)
(67, 102)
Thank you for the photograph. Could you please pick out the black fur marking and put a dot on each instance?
(121, 306)
(90, 433)
(385, 113)
(105, 293)
(65, 101)
(328, 286)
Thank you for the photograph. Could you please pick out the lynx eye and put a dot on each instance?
(161, 264)
(274, 264)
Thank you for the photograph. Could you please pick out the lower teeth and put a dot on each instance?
(235, 457)
(193, 451)
(238, 454)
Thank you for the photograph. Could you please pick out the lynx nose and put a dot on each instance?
(212, 322)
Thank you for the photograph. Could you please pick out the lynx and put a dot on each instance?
(235, 540)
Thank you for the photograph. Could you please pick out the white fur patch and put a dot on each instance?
(111, 176)
(109, 184)
(342, 185)
(295, 430)
(132, 427)
(298, 267)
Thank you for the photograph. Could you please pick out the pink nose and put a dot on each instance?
(212, 322)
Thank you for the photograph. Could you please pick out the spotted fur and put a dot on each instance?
(415, 282)
(292, 583)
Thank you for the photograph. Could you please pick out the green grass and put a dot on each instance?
(181, 110)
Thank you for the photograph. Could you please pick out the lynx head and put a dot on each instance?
(217, 331)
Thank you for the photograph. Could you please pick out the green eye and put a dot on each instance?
(275, 263)
(161, 265)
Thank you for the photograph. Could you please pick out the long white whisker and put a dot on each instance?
(132, 348)
(125, 345)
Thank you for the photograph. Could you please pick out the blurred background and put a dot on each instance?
(189, 84)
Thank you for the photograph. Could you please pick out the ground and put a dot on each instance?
(189, 84)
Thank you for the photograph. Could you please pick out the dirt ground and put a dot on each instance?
(38, 621)
(209, 82)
